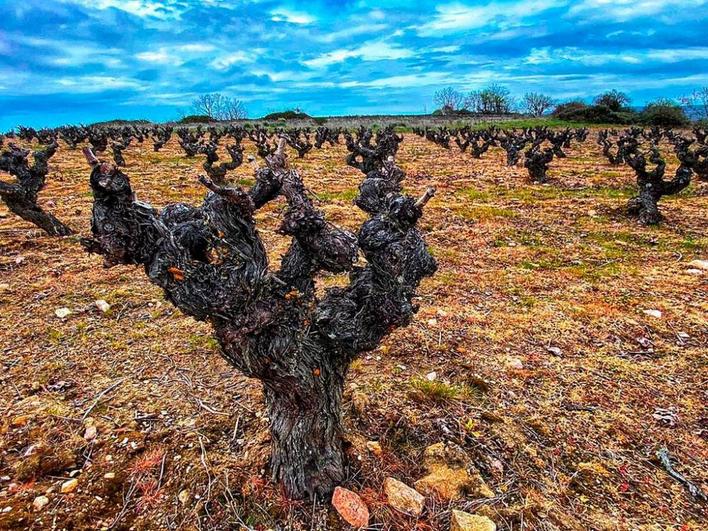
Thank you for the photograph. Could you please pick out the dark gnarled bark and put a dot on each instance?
(537, 161)
(21, 196)
(652, 186)
(212, 265)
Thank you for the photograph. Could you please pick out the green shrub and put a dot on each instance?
(664, 113)
(122, 122)
(197, 119)
(577, 111)
(568, 110)
(287, 115)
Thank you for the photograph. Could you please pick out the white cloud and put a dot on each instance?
(375, 51)
(225, 62)
(283, 14)
(92, 84)
(458, 17)
(359, 29)
(174, 55)
(548, 55)
(196, 48)
(169, 9)
(160, 56)
(446, 49)
(623, 10)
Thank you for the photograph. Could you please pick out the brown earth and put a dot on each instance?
(549, 374)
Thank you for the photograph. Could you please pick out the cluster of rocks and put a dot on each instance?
(450, 476)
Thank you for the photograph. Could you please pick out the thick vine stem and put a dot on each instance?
(651, 184)
(212, 264)
(21, 196)
(537, 161)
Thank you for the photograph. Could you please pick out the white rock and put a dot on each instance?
(699, 264)
(102, 305)
(653, 313)
(431, 376)
(62, 312)
(40, 502)
(90, 433)
(4, 287)
(403, 498)
(555, 351)
(694, 271)
(109, 475)
(515, 363)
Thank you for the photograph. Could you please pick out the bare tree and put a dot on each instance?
(219, 107)
(494, 99)
(449, 100)
(536, 104)
(232, 109)
(207, 104)
(698, 100)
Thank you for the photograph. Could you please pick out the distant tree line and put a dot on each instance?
(611, 107)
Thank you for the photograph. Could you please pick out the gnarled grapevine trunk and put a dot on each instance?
(306, 430)
(211, 263)
(21, 196)
(652, 186)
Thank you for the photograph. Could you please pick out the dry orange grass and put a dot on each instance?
(549, 371)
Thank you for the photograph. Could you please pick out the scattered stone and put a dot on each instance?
(102, 305)
(699, 264)
(109, 475)
(694, 271)
(4, 287)
(61, 313)
(450, 474)
(350, 507)
(40, 502)
(403, 498)
(653, 313)
(375, 448)
(555, 351)
(462, 521)
(90, 433)
(515, 363)
(69, 486)
(667, 417)
(183, 496)
(431, 376)
(432, 322)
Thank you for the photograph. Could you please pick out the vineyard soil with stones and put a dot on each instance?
(558, 353)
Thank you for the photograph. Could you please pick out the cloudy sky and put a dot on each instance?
(70, 61)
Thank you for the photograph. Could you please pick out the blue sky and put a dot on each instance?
(70, 61)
